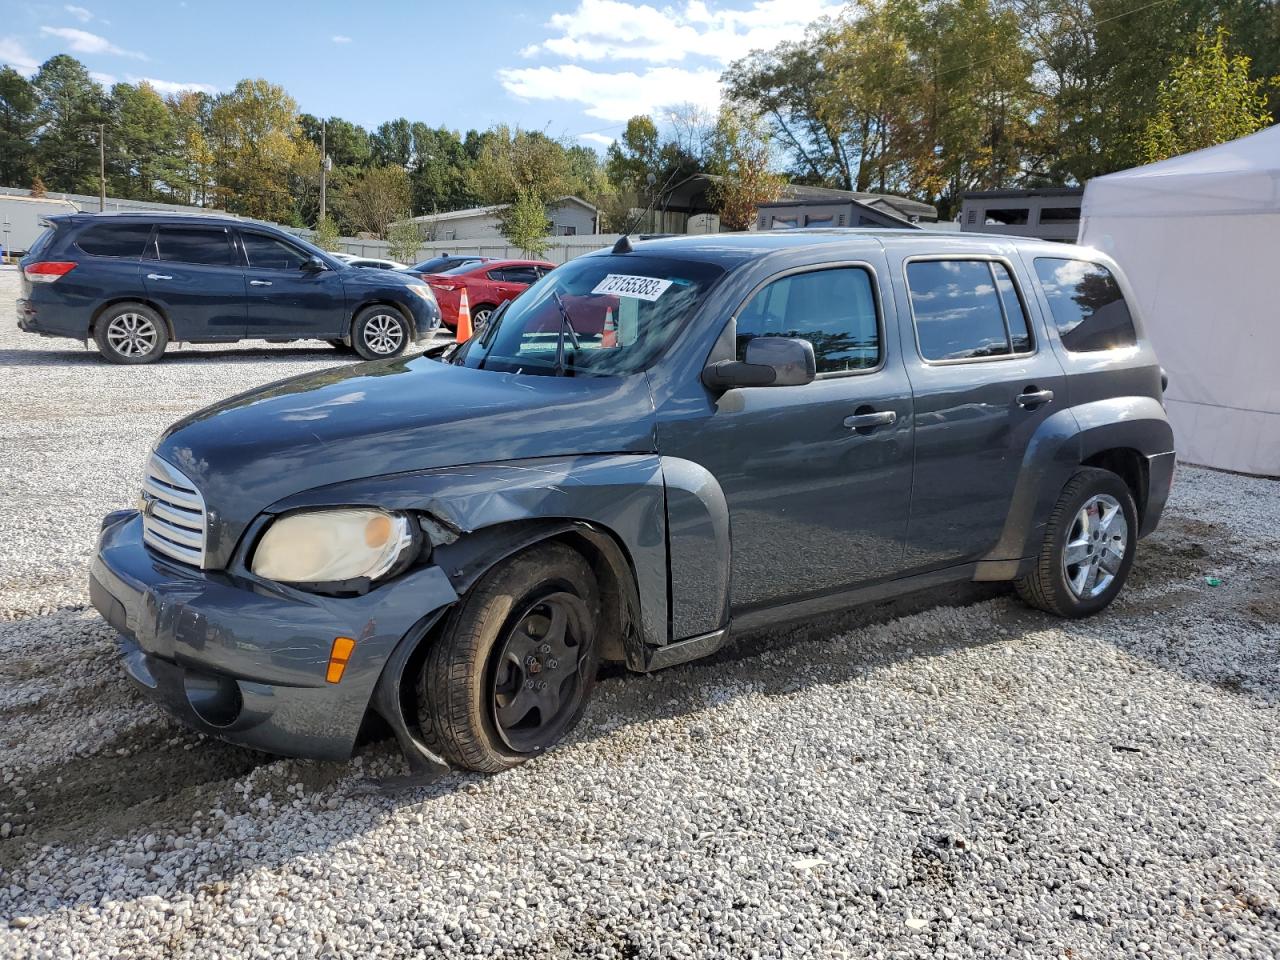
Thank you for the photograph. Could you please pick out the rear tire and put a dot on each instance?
(130, 333)
(1088, 547)
(380, 332)
(481, 314)
(521, 642)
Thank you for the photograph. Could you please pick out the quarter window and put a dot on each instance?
(115, 239)
(966, 310)
(199, 245)
(1087, 305)
(833, 309)
(271, 253)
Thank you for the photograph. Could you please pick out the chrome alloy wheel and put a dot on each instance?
(537, 682)
(132, 335)
(1095, 546)
(383, 334)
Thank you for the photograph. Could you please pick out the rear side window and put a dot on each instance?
(966, 310)
(834, 309)
(1087, 305)
(272, 253)
(206, 245)
(115, 239)
(517, 275)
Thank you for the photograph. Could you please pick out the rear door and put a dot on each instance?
(285, 301)
(510, 282)
(193, 272)
(984, 378)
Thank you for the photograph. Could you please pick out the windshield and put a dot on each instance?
(596, 316)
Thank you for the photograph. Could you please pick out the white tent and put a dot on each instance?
(1199, 238)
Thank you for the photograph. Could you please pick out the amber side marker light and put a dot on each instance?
(338, 657)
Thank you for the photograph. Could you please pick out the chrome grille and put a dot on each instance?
(173, 521)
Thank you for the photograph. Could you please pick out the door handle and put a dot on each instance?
(1029, 398)
(159, 276)
(878, 418)
(259, 283)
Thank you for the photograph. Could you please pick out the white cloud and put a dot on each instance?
(166, 87)
(106, 79)
(15, 55)
(83, 14)
(614, 30)
(599, 138)
(615, 96)
(82, 41)
(339, 38)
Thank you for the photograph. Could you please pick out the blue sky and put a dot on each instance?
(574, 68)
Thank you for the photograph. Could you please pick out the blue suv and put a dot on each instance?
(136, 282)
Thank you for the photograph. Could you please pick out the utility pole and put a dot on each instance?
(324, 165)
(102, 170)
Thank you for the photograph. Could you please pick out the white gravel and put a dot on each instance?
(970, 780)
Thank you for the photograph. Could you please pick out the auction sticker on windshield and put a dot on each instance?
(642, 288)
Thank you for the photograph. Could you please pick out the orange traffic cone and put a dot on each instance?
(609, 338)
(464, 318)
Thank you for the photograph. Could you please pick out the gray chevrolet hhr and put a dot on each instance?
(652, 447)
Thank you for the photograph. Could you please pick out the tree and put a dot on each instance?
(71, 107)
(405, 241)
(374, 199)
(514, 162)
(440, 173)
(141, 134)
(392, 143)
(1208, 99)
(740, 141)
(17, 126)
(189, 163)
(38, 189)
(255, 140)
(525, 224)
(326, 237)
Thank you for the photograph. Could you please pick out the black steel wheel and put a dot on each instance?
(514, 667)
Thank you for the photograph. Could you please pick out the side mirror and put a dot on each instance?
(770, 362)
(312, 264)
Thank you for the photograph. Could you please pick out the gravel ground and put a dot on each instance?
(953, 776)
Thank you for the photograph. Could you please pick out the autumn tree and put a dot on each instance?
(372, 200)
(326, 236)
(743, 160)
(1209, 98)
(515, 163)
(524, 222)
(405, 241)
(255, 134)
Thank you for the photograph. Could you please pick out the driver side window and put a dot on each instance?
(834, 309)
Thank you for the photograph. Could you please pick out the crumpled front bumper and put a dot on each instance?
(245, 660)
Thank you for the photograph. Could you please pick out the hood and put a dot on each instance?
(391, 416)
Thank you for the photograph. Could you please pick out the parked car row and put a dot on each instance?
(135, 282)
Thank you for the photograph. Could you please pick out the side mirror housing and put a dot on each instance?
(770, 362)
(313, 264)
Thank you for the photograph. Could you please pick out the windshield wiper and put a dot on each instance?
(491, 330)
(565, 324)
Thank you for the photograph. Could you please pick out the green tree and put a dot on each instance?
(17, 126)
(740, 142)
(326, 237)
(71, 106)
(346, 143)
(255, 139)
(405, 241)
(392, 143)
(374, 199)
(1209, 98)
(440, 172)
(525, 224)
(141, 135)
(515, 162)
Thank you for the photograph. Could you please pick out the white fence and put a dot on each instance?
(559, 250)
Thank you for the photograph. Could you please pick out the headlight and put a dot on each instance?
(333, 546)
(423, 291)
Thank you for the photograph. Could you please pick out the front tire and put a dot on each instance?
(515, 666)
(380, 332)
(1088, 547)
(130, 333)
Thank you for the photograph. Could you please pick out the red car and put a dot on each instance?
(488, 285)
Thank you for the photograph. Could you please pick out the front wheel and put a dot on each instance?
(513, 671)
(1088, 547)
(130, 333)
(380, 332)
